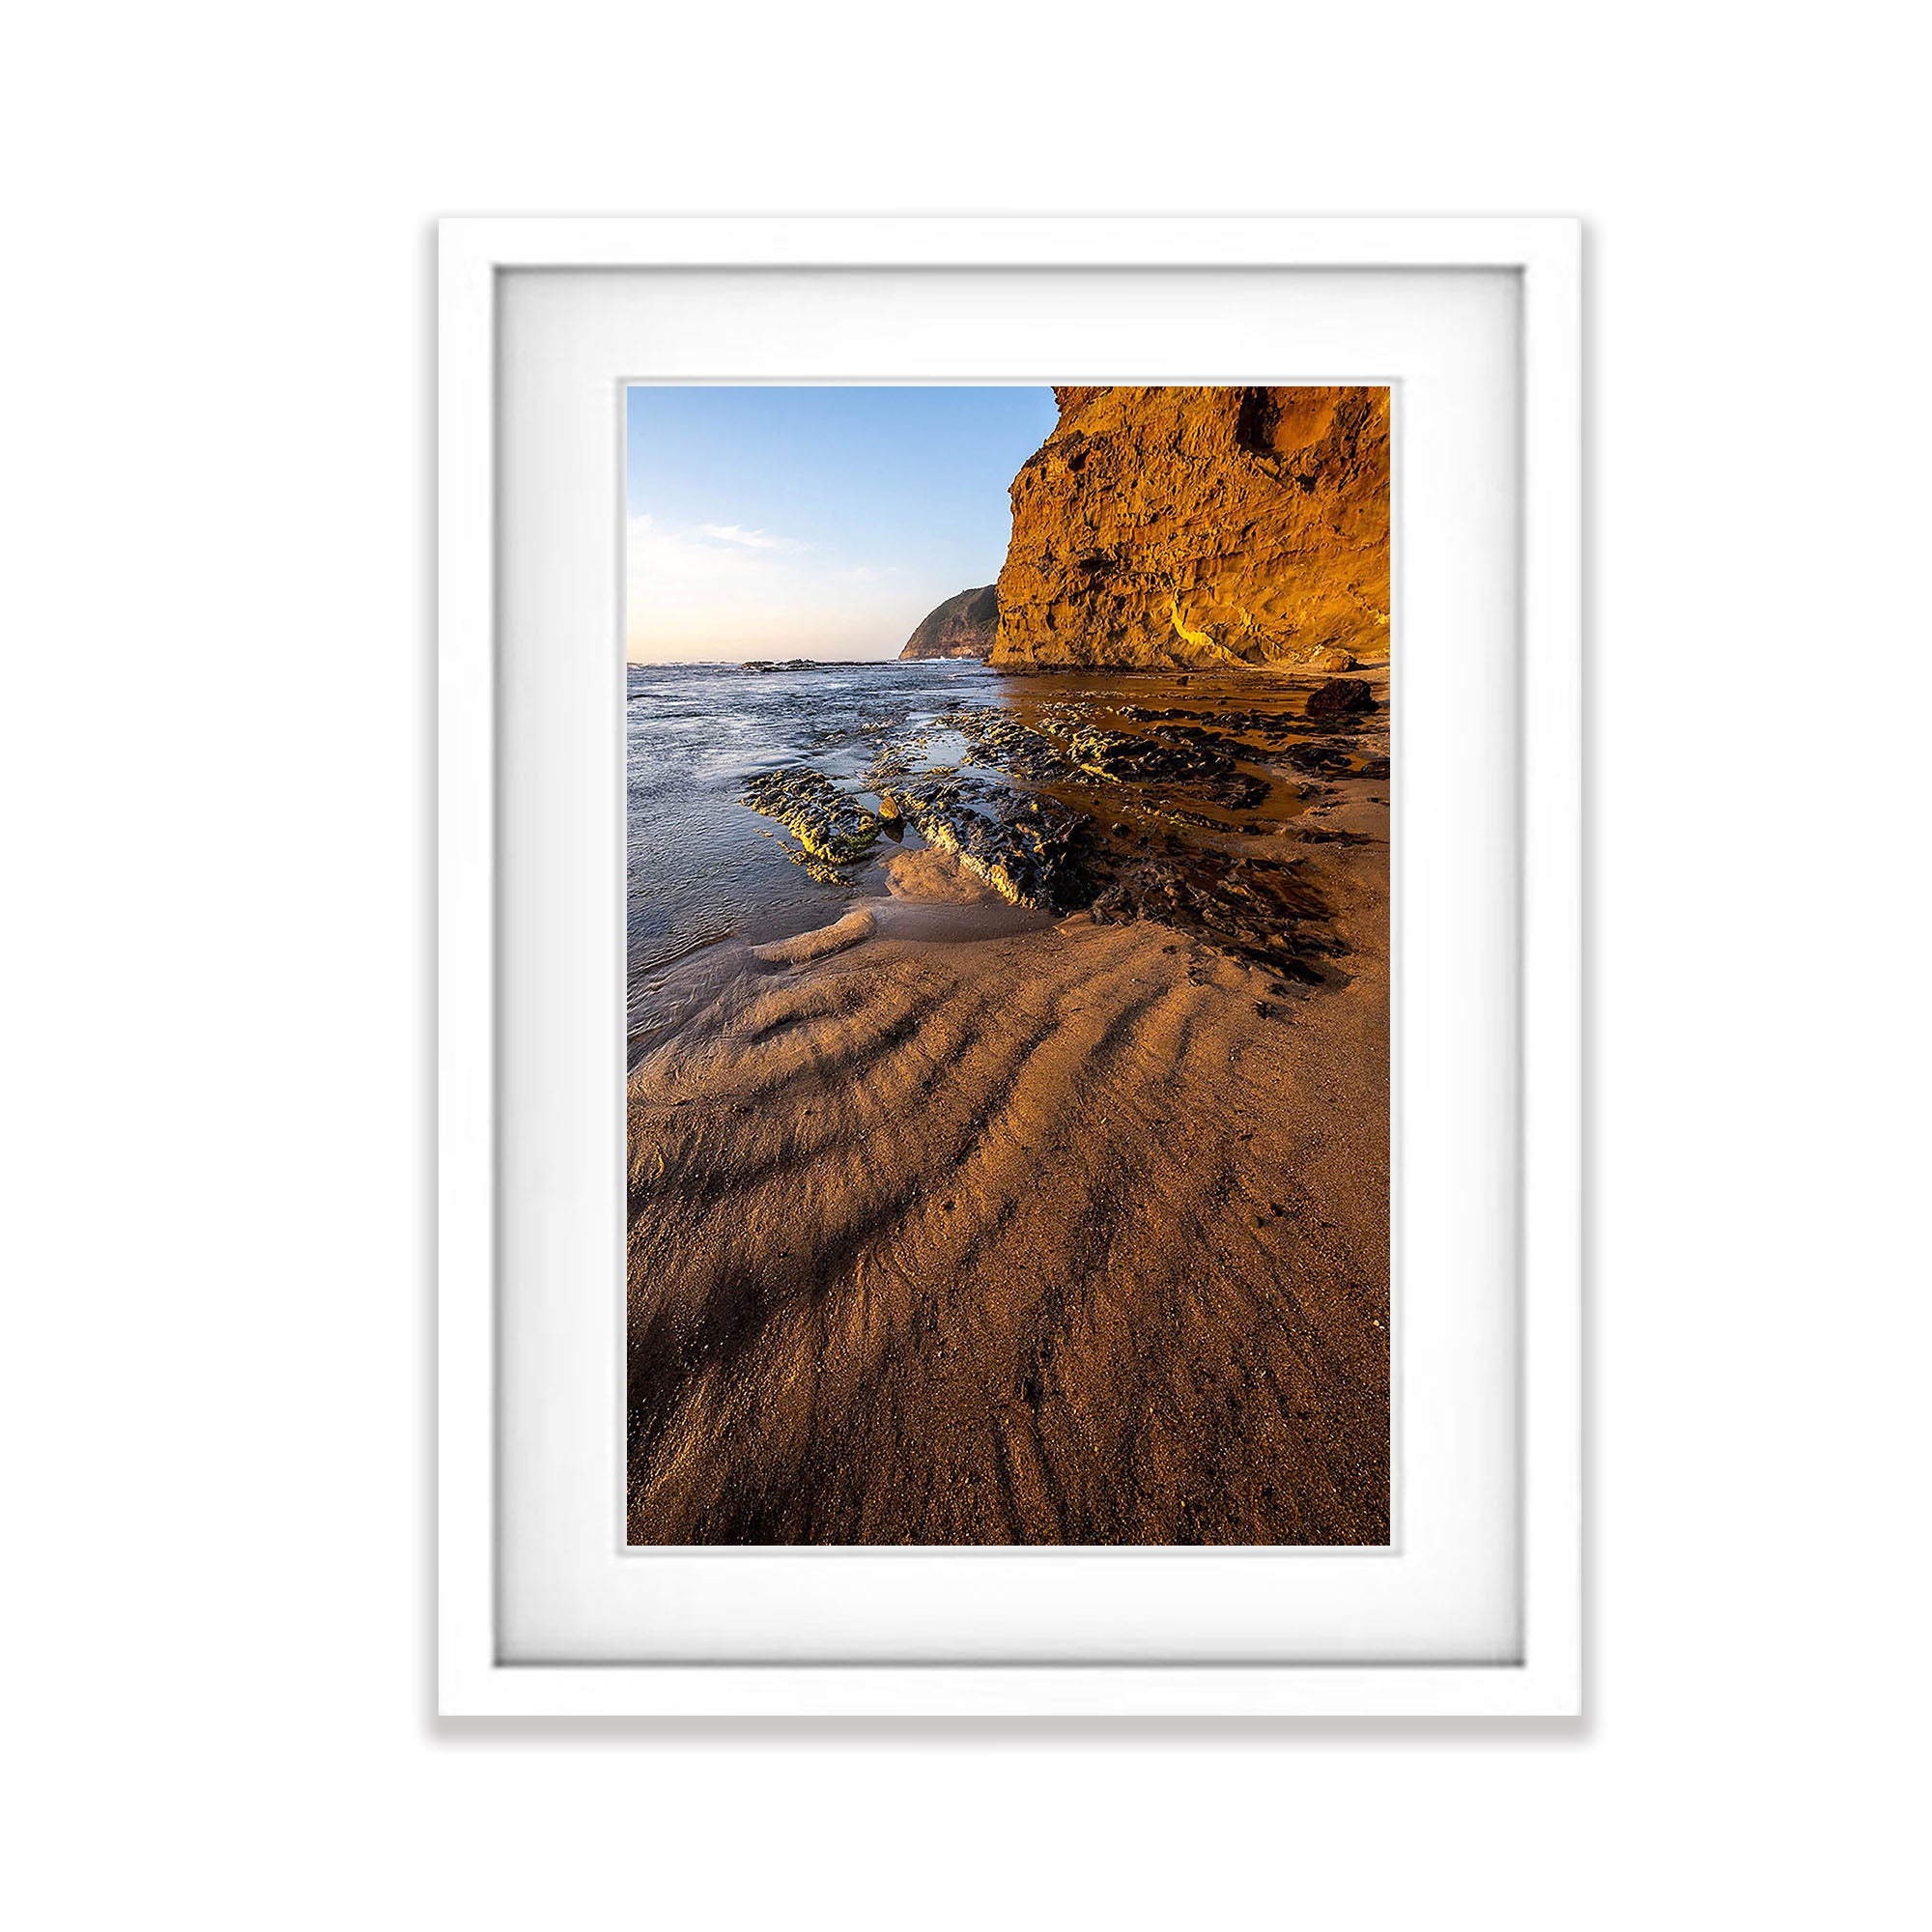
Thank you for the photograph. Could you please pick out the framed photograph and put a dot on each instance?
(1011, 967)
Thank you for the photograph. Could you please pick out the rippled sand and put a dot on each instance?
(951, 1224)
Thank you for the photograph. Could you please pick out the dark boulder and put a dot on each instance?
(1341, 697)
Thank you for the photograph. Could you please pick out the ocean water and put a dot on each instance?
(702, 866)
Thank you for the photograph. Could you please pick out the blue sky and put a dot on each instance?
(813, 521)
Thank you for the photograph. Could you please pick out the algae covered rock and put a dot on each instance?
(833, 829)
(1022, 844)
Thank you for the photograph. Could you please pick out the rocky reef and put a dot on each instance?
(962, 627)
(1128, 811)
(1198, 527)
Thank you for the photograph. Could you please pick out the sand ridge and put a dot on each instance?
(1012, 1232)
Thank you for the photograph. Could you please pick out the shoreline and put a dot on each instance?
(954, 1223)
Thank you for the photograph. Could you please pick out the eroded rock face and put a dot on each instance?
(1202, 527)
(962, 627)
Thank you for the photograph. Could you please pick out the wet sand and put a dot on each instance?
(952, 1222)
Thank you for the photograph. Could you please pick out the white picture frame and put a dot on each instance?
(1544, 1679)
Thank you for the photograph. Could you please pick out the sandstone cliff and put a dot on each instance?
(1200, 526)
(962, 627)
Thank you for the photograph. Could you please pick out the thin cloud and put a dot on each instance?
(703, 550)
(737, 533)
(706, 590)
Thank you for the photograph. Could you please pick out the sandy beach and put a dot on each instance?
(956, 1221)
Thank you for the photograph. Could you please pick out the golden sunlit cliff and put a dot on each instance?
(1201, 527)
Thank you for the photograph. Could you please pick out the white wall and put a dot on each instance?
(213, 784)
